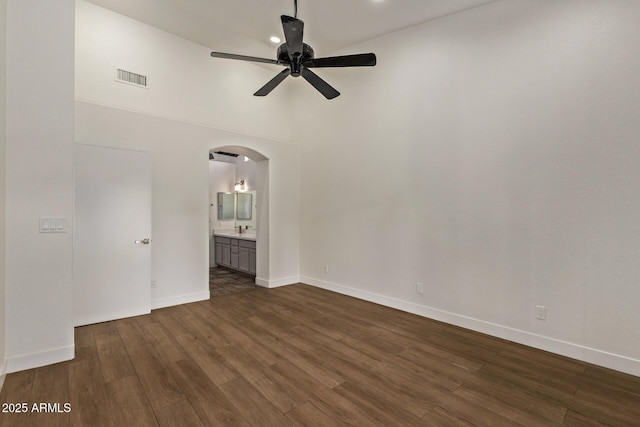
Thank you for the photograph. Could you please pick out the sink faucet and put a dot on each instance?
(239, 229)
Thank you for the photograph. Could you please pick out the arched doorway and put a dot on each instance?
(261, 186)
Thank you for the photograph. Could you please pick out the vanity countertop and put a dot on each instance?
(235, 235)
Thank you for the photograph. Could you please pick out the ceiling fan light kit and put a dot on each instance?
(298, 57)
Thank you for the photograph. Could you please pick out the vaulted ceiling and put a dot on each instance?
(245, 26)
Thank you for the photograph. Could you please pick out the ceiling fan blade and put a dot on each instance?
(323, 87)
(293, 30)
(359, 60)
(243, 58)
(271, 85)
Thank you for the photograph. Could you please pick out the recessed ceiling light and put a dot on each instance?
(275, 39)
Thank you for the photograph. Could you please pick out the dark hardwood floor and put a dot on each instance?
(298, 355)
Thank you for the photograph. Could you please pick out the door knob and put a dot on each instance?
(143, 241)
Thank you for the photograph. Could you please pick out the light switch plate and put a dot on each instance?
(53, 225)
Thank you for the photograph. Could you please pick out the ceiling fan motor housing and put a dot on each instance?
(283, 57)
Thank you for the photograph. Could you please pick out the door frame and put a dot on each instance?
(262, 214)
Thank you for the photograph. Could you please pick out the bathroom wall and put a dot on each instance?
(222, 177)
(246, 170)
(221, 180)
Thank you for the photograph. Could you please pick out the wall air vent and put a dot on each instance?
(124, 76)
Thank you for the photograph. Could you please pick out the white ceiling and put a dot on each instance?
(245, 26)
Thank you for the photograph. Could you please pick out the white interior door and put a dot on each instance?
(112, 219)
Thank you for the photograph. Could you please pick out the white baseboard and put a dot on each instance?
(43, 358)
(180, 299)
(575, 351)
(277, 282)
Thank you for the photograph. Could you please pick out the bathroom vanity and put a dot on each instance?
(236, 250)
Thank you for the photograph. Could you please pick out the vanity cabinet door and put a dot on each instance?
(218, 250)
(252, 261)
(226, 255)
(234, 253)
(234, 260)
(243, 263)
(223, 251)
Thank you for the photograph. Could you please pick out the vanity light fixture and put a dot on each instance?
(240, 186)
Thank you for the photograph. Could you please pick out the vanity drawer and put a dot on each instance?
(223, 240)
(234, 242)
(247, 244)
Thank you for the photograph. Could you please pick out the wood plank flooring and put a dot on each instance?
(301, 356)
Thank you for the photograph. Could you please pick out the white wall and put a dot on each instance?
(179, 120)
(246, 171)
(39, 162)
(181, 194)
(3, 135)
(222, 177)
(493, 156)
(185, 83)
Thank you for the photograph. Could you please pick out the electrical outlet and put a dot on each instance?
(326, 269)
(419, 288)
(153, 284)
(541, 312)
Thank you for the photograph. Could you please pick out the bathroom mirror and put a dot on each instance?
(225, 206)
(244, 206)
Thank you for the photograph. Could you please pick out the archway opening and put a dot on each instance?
(239, 211)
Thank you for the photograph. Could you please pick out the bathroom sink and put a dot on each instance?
(235, 235)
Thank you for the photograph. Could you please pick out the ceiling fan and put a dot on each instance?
(298, 57)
